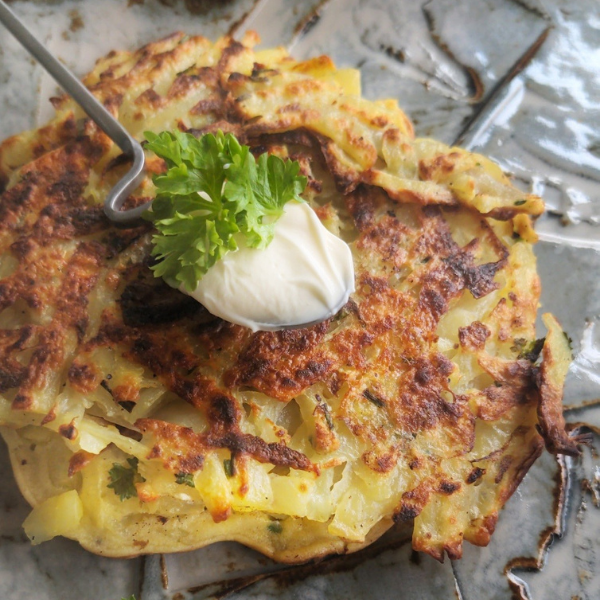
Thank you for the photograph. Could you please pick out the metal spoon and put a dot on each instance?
(113, 129)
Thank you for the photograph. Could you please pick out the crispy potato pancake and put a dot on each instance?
(137, 422)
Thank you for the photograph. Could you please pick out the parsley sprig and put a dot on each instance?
(123, 479)
(213, 190)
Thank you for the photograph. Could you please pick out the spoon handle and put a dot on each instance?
(94, 109)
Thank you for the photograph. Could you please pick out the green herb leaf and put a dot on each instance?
(519, 344)
(328, 417)
(324, 409)
(213, 190)
(371, 397)
(228, 467)
(275, 527)
(532, 350)
(123, 479)
(185, 479)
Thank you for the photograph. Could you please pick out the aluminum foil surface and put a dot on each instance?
(518, 80)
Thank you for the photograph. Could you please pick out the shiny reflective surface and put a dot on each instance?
(517, 80)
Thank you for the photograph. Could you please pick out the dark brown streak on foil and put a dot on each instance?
(236, 26)
(310, 20)
(164, 573)
(288, 576)
(562, 485)
(480, 114)
(532, 9)
(581, 405)
(575, 426)
(223, 589)
(476, 83)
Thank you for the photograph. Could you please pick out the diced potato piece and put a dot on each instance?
(353, 518)
(255, 491)
(59, 515)
(213, 486)
(291, 495)
(348, 80)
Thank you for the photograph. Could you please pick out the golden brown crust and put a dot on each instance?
(183, 451)
(412, 403)
(556, 355)
(281, 364)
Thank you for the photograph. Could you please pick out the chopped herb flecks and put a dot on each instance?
(123, 479)
(228, 466)
(371, 397)
(275, 527)
(518, 344)
(532, 350)
(185, 479)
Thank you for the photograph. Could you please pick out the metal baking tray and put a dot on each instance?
(517, 80)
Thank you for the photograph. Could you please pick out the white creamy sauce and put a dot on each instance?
(305, 274)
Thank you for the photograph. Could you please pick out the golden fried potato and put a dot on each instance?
(137, 422)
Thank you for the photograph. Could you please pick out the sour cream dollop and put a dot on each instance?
(305, 275)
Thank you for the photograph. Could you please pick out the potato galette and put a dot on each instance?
(137, 422)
